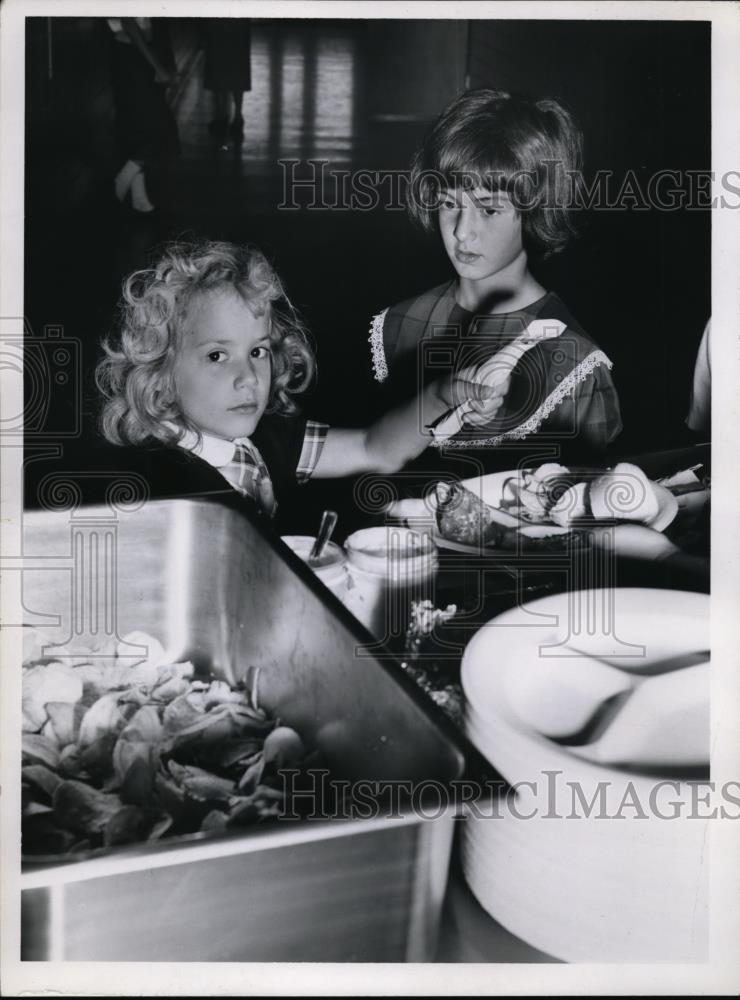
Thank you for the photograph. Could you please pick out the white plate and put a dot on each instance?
(582, 897)
(582, 889)
(490, 488)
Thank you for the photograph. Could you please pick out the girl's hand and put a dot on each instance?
(484, 410)
(482, 400)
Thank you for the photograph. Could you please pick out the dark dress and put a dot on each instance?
(99, 473)
(561, 404)
(146, 130)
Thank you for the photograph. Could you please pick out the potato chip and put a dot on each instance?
(243, 812)
(48, 732)
(94, 674)
(235, 752)
(143, 749)
(200, 784)
(38, 749)
(97, 758)
(145, 726)
(160, 826)
(70, 765)
(214, 820)
(30, 722)
(132, 824)
(82, 809)
(170, 688)
(211, 728)
(64, 721)
(48, 682)
(137, 785)
(283, 747)
(131, 699)
(170, 795)
(42, 778)
(253, 775)
(185, 710)
(219, 693)
(104, 718)
(126, 752)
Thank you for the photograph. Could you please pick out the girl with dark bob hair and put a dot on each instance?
(495, 178)
(205, 372)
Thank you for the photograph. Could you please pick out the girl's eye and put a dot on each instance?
(259, 352)
(448, 204)
(216, 355)
(489, 212)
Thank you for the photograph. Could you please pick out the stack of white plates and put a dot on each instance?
(583, 861)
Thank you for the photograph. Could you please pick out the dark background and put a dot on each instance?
(361, 94)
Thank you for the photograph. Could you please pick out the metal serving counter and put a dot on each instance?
(213, 587)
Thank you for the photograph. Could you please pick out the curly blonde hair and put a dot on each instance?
(136, 374)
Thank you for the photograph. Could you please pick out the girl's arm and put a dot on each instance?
(402, 433)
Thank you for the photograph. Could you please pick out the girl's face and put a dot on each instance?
(481, 232)
(223, 367)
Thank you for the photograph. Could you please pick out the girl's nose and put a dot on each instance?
(463, 226)
(246, 374)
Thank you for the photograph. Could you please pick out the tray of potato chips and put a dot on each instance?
(193, 713)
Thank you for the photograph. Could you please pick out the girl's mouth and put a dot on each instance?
(466, 258)
(243, 408)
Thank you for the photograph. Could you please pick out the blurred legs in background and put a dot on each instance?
(142, 68)
(227, 74)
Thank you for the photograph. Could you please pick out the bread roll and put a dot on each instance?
(549, 470)
(624, 493)
(571, 506)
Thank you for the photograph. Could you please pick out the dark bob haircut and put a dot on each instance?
(530, 150)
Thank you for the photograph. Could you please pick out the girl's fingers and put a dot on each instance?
(464, 390)
(489, 396)
(478, 419)
(483, 411)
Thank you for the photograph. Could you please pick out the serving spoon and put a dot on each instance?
(326, 529)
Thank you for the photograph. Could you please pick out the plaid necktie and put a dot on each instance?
(248, 474)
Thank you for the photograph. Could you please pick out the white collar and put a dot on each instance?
(218, 452)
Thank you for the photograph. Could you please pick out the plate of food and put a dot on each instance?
(502, 509)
